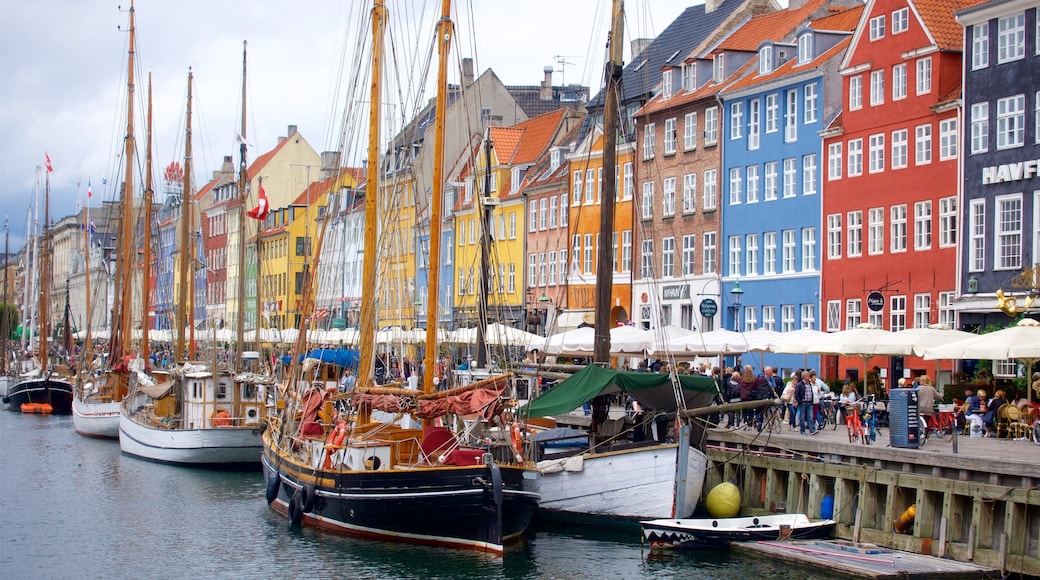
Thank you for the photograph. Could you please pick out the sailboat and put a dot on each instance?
(99, 397)
(605, 476)
(392, 479)
(6, 376)
(42, 390)
(202, 414)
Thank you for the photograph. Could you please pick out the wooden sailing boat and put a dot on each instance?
(201, 414)
(618, 475)
(96, 408)
(6, 376)
(385, 480)
(42, 391)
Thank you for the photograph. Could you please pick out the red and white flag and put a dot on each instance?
(50, 168)
(90, 191)
(260, 211)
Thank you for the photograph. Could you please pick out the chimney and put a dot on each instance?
(329, 163)
(638, 45)
(546, 92)
(467, 72)
(290, 131)
(712, 5)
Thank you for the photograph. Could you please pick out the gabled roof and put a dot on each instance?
(790, 67)
(774, 26)
(938, 19)
(841, 19)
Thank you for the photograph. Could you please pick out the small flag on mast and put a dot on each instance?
(260, 211)
(50, 168)
(90, 192)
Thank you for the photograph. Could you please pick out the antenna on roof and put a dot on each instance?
(562, 62)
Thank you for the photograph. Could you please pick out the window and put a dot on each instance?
(666, 83)
(805, 48)
(808, 315)
(834, 161)
(855, 229)
(877, 28)
(977, 236)
(589, 246)
(552, 268)
(710, 258)
(787, 317)
(765, 60)
(900, 148)
(646, 259)
(899, 81)
(543, 212)
(789, 251)
(690, 131)
(750, 318)
(648, 141)
(877, 87)
(689, 254)
(877, 153)
(791, 117)
(1011, 38)
(710, 189)
(752, 184)
(736, 183)
(754, 118)
(668, 257)
(947, 315)
(541, 269)
(590, 186)
(876, 231)
(924, 75)
(771, 176)
(853, 312)
(769, 255)
(711, 125)
(947, 222)
(808, 249)
(648, 200)
(689, 77)
(772, 110)
(898, 227)
(718, 72)
(897, 313)
(810, 105)
(735, 254)
(834, 236)
(1011, 122)
(736, 120)
(790, 176)
(900, 20)
(979, 128)
(751, 255)
(532, 273)
(923, 145)
(689, 193)
(532, 217)
(576, 191)
(833, 315)
(628, 183)
(948, 139)
(669, 136)
(1008, 242)
(552, 216)
(668, 196)
(855, 93)
(769, 317)
(563, 218)
(626, 251)
(922, 310)
(923, 225)
(980, 46)
(855, 157)
(809, 174)
(575, 252)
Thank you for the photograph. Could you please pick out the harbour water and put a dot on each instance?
(76, 508)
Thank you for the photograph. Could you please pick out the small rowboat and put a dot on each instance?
(716, 532)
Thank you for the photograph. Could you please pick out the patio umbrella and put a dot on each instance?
(624, 340)
(1020, 342)
(797, 341)
(666, 339)
(761, 339)
(864, 341)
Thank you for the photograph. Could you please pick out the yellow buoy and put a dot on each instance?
(723, 501)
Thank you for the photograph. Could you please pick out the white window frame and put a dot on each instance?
(770, 181)
(855, 93)
(689, 195)
(924, 75)
(710, 260)
(980, 46)
(977, 235)
(736, 185)
(668, 257)
(897, 313)
(628, 183)
(754, 124)
(789, 257)
(711, 190)
(899, 81)
(855, 233)
(923, 144)
(922, 310)
(808, 316)
(711, 126)
(948, 138)
(790, 177)
(668, 197)
(646, 259)
(648, 141)
(811, 104)
(833, 315)
(769, 253)
(835, 162)
(897, 226)
(947, 314)
(948, 221)
(1010, 125)
(834, 237)
(752, 184)
(853, 312)
(877, 88)
(669, 136)
(900, 149)
(1011, 37)
(736, 120)
(809, 249)
(855, 157)
(876, 152)
(735, 255)
(689, 254)
(876, 231)
(923, 225)
(648, 201)
(751, 255)
(900, 20)
(1008, 231)
(787, 319)
(791, 117)
(772, 112)
(769, 317)
(877, 27)
(809, 169)
(979, 127)
(690, 131)
(626, 251)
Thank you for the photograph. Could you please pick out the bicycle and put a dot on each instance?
(938, 424)
(772, 418)
(871, 430)
(854, 423)
(828, 414)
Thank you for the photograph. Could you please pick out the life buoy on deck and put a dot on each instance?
(334, 442)
(221, 418)
(518, 441)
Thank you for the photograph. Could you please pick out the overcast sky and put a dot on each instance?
(63, 83)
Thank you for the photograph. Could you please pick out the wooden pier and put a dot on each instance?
(980, 505)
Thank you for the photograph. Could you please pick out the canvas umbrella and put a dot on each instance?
(864, 341)
(922, 338)
(667, 339)
(1020, 342)
(797, 341)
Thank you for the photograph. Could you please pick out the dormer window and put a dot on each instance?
(805, 48)
(554, 159)
(765, 60)
(666, 85)
(689, 77)
(719, 70)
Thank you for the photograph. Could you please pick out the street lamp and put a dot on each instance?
(736, 295)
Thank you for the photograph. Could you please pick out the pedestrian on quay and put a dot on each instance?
(803, 393)
(926, 399)
(849, 396)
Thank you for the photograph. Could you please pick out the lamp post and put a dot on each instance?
(736, 295)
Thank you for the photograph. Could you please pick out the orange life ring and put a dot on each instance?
(518, 441)
(221, 418)
(334, 442)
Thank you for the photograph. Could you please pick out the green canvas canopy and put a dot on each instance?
(652, 390)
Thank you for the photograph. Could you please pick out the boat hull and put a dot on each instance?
(54, 392)
(219, 447)
(446, 506)
(720, 532)
(96, 419)
(633, 484)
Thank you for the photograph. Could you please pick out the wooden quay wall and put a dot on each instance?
(980, 504)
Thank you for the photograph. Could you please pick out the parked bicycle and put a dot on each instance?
(871, 429)
(773, 417)
(938, 424)
(853, 422)
(828, 414)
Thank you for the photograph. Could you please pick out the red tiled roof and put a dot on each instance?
(845, 19)
(790, 67)
(773, 26)
(938, 18)
(537, 134)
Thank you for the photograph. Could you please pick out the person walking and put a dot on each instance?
(803, 393)
(926, 398)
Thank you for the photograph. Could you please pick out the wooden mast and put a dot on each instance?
(184, 263)
(366, 346)
(433, 275)
(45, 277)
(146, 246)
(243, 192)
(5, 326)
(604, 272)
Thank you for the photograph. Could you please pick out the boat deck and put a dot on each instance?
(863, 560)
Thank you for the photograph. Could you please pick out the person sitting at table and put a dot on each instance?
(974, 408)
(989, 419)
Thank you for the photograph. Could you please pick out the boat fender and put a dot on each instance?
(296, 509)
(755, 521)
(905, 523)
(308, 495)
(273, 484)
(714, 523)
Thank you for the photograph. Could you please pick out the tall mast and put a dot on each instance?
(5, 326)
(146, 246)
(433, 271)
(88, 343)
(604, 272)
(45, 276)
(258, 303)
(243, 191)
(366, 344)
(485, 241)
(186, 244)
